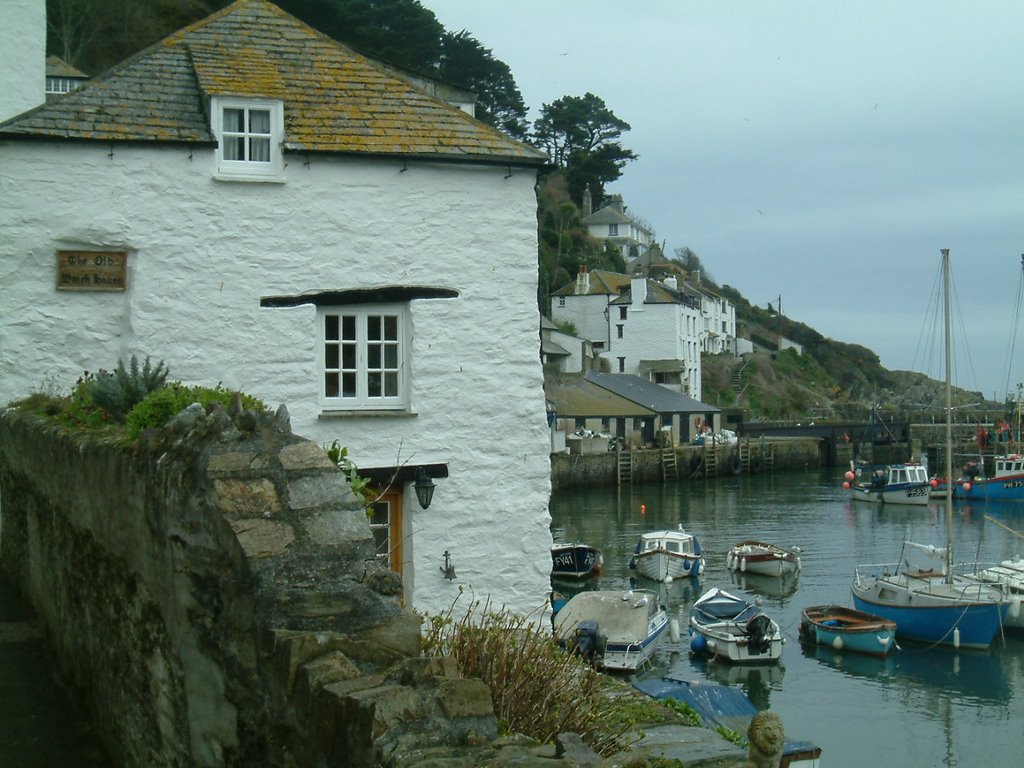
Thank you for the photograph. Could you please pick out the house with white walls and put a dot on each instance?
(615, 227)
(653, 328)
(255, 204)
(584, 304)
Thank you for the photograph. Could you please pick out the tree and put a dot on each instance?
(581, 135)
(399, 32)
(467, 64)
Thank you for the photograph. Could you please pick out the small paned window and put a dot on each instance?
(250, 134)
(364, 353)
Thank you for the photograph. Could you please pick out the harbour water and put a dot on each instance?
(920, 707)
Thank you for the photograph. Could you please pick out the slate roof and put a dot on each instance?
(580, 398)
(601, 282)
(653, 396)
(335, 100)
(607, 215)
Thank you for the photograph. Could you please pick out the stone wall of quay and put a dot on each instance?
(647, 465)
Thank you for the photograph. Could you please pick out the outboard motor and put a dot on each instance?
(758, 631)
(588, 642)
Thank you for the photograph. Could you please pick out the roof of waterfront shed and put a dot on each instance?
(335, 100)
(648, 394)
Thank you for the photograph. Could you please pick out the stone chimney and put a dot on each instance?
(615, 202)
(22, 56)
(671, 282)
(583, 281)
(588, 205)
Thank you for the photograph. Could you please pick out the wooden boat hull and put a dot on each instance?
(763, 559)
(844, 629)
(659, 565)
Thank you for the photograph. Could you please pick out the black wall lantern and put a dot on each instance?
(424, 487)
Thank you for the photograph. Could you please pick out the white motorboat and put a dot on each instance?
(615, 630)
(667, 555)
(733, 629)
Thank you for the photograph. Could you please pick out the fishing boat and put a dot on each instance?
(575, 560)
(614, 630)
(764, 559)
(906, 483)
(934, 606)
(667, 555)
(1005, 484)
(733, 629)
(847, 629)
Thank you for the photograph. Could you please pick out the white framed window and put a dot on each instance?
(249, 135)
(364, 357)
(613, 230)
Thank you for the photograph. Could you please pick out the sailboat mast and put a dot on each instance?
(949, 416)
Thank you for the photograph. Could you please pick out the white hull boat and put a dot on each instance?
(615, 630)
(667, 555)
(731, 628)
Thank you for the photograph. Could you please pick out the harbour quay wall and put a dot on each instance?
(648, 464)
(212, 597)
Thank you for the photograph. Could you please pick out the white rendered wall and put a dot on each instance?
(201, 255)
(587, 313)
(22, 56)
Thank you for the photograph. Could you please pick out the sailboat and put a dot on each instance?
(929, 605)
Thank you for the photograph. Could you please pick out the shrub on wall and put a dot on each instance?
(164, 404)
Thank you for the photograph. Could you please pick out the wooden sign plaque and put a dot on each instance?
(91, 270)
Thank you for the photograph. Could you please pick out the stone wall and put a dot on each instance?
(574, 469)
(213, 597)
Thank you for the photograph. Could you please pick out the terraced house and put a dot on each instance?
(258, 205)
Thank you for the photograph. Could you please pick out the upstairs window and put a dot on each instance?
(364, 351)
(613, 230)
(249, 134)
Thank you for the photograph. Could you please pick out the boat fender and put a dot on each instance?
(743, 565)
(837, 643)
(668, 579)
(632, 563)
(696, 568)
(698, 644)
(956, 637)
(1014, 611)
(729, 562)
(673, 630)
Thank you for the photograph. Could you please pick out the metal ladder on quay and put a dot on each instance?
(669, 467)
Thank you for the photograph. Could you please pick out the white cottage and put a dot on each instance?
(258, 205)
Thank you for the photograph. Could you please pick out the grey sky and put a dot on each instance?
(821, 151)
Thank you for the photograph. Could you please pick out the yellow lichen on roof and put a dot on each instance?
(335, 100)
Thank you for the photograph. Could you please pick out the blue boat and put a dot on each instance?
(1006, 484)
(933, 606)
(846, 629)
